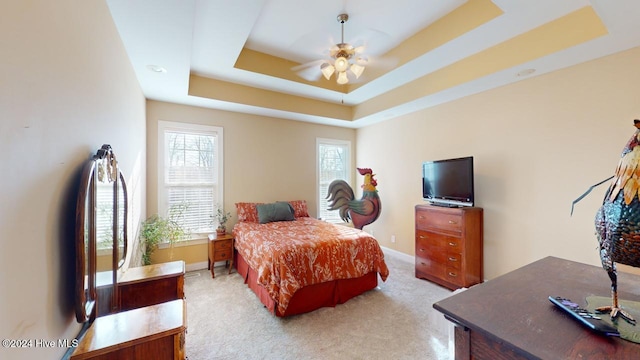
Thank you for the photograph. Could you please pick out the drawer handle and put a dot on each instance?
(453, 259)
(452, 222)
(422, 263)
(421, 217)
(422, 237)
(452, 244)
(453, 274)
(421, 249)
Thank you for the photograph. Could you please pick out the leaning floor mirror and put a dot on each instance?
(101, 235)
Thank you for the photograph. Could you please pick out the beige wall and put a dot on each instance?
(66, 88)
(537, 145)
(265, 159)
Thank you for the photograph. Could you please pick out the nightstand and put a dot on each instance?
(220, 248)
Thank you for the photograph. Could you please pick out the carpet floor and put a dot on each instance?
(396, 320)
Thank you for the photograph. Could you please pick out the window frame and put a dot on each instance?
(348, 170)
(162, 194)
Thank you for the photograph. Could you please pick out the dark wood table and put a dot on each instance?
(510, 317)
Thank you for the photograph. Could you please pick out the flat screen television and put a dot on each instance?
(448, 182)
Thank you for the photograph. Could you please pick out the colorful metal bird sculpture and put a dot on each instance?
(618, 221)
(362, 212)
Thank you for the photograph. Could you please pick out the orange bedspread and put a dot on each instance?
(289, 255)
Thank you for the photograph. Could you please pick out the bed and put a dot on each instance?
(296, 264)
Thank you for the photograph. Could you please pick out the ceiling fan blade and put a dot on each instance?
(310, 74)
(310, 64)
(309, 71)
(370, 35)
(315, 42)
(382, 63)
(370, 41)
(359, 49)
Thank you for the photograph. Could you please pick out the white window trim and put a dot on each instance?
(163, 126)
(320, 141)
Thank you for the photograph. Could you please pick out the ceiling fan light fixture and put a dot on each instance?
(343, 58)
(341, 64)
(342, 78)
(327, 70)
(357, 70)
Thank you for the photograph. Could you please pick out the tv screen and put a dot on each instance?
(448, 182)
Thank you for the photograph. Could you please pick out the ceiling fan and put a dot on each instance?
(345, 61)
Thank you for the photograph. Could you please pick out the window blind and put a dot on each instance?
(333, 163)
(191, 178)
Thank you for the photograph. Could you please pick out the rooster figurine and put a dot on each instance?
(618, 221)
(361, 212)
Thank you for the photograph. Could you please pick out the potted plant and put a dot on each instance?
(157, 229)
(221, 217)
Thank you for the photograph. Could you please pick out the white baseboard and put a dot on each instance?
(402, 256)
(197, 266)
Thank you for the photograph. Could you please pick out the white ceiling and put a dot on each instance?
(205, 38)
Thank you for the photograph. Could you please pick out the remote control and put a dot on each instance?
(589, 319)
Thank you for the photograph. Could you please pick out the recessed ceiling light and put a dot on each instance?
(156, 68)
(526, 72)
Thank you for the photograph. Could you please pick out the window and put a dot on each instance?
(104, 214)
(334, 162)
(190, 173)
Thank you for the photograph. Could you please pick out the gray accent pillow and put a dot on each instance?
(278, 211)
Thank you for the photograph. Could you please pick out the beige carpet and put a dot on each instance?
(394, 321)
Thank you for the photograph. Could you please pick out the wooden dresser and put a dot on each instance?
(151, 285)
(449, 245)
(152, 332)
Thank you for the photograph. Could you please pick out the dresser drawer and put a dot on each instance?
(438, 220)
(454, 261)
(222, 255)
(430, 267)
(454, 276)
(422, 219)
(431, 246)
(454, 245)
(431, 240)
(222, 245)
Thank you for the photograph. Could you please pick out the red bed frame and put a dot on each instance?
(309, 298)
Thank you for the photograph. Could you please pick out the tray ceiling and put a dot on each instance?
(237, 55)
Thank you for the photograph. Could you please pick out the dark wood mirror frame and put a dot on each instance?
(108, 293)
(101, 168)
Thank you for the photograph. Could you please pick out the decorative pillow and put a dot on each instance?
(299, 208)
(279, 211)
(247, 212)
